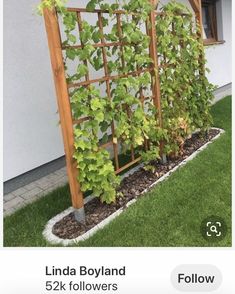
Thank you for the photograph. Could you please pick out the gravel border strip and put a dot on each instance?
(50, 237)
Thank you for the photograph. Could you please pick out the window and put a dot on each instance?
(209, 21)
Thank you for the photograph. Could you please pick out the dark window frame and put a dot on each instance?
(210, 6)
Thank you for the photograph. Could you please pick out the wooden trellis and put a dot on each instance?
(62, 87)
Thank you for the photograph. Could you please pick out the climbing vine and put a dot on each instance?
(185, 91)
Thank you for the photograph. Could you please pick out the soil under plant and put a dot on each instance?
(131, 187)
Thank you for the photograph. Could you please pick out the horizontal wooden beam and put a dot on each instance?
(110, 78)
(75, 9)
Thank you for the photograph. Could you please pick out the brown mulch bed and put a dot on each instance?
(131, 187)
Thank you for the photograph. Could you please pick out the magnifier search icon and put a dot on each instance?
(213, 229)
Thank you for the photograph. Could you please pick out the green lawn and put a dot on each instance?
(169, 215)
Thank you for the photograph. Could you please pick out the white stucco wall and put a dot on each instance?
(219, 56)
(31, 133)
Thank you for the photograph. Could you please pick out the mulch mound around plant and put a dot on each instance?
(131, 187)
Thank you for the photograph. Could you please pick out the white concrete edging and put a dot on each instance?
(50, 237)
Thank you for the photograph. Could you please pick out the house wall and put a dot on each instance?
(32, 136)
(219, 56)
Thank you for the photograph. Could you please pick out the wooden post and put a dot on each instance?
(155, 3)
(197, 7)
(63, 101)
(199, 17)
(156, 83)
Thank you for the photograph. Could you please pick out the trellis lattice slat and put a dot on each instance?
(111, 78)
(107, 77)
